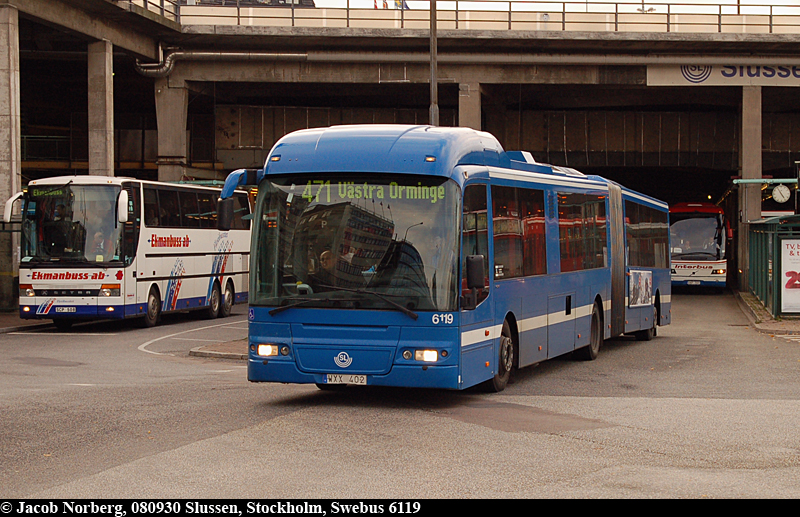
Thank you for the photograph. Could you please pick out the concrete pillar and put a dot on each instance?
(469, 105)
(496, 105)
(10, 146)
(101, 108)
(172, 108)
(751, 168)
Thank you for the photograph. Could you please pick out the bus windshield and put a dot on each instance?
(697, 236)
(71, 223)
(356, 241)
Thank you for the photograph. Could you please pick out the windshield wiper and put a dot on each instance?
(405, 310)
(679, 255)
(282, 308)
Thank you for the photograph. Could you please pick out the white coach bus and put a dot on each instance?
(98, 247)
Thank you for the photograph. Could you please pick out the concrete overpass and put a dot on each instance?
(157, 89)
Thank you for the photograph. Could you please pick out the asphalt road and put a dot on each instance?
(709, 408)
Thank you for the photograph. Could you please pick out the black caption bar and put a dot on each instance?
(215, 507)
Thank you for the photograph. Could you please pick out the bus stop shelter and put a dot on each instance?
(775, 264)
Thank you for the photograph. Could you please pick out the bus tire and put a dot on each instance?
(214, 302)
(153, 309)
(227, 300)
(591, 351)
(505, 361)
(647, 334)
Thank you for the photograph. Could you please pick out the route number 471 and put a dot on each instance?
(442, 318)
(315, 188)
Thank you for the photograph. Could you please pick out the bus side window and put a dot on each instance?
(132, 227)
(241, 208)
(151, 212)
(170, 212)
(534, 244)
(475, 240)
(208, 210)
(507, 226)
(190, 215)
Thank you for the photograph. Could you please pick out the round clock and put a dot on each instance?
(781, 193)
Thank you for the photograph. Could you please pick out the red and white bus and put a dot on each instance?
(698, 236)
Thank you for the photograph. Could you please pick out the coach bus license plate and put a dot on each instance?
(335, 378)
(693, 282)
(65, 309)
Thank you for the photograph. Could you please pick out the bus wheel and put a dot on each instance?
(63, 325)
(590, 352)
(505, 361)
(153, 311)
(648, 334)
(227, 301)
(214, 302)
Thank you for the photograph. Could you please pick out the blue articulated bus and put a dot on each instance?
(373, 260)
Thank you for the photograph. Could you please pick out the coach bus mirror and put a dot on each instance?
(10, 207)
(476, 273)
(122, 207)
(225, 214)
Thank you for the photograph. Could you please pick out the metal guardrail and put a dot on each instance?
(169, 9)
(731, 16)
(45, 147)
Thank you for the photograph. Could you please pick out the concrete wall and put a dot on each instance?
(245, 134)
(10, 163)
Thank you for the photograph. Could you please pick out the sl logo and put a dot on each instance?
(343, 360)
(696, 73)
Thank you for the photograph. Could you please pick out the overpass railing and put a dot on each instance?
(169, 9)
(698, 16)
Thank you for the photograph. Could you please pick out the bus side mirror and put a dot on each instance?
(476, 273)
(475, 276)
(224, 214)
(10, 207)
(122, 207)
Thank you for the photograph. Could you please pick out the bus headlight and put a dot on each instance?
(429, 356)
(267, 349)
(718, 272)
(26, 290)
(109, 290)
